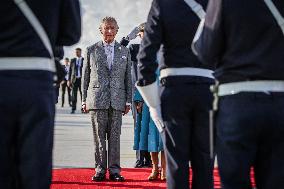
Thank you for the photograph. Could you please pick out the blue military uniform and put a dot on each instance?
(244, 41)
(185, 100)
(27, 94)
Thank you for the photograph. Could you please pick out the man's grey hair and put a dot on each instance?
(108, 19)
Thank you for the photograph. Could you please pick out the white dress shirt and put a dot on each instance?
(109, 50)
(79, 64)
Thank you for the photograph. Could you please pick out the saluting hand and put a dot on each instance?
(133, 34)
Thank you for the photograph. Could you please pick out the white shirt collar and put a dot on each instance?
(111, 44)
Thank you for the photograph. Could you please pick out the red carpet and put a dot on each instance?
(135, 178)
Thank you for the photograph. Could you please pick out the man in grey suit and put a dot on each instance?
(107, 94)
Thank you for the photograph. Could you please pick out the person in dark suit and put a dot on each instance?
(180, 108)
(30, 33)
(64, 85)
(245, 41)
(75, 75)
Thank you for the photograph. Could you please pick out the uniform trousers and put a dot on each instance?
(185, 112)
(250, 133)
(27, 110)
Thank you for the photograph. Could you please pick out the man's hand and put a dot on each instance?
(84, 108)
(127, 109)
(139, 106)
(133, 34)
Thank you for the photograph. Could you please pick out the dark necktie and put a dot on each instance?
(77, 67)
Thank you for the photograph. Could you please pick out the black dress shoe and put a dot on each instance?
(138, 164)
(72, 112)
(98, 177)
(116, 177)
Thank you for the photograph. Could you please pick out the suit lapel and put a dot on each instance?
(117, 56)
(101, 53)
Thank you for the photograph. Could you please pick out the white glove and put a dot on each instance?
(150, 94)
(156, 116)
(133, 34)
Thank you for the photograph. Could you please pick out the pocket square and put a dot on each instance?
(123, 57)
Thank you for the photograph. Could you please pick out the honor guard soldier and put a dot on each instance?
(245, 41)
(182, 111)
(30, 32)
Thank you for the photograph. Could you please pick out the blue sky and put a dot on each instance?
(129, 13)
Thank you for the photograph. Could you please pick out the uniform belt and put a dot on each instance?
(27, 63)
(186, 72)
(250, 86)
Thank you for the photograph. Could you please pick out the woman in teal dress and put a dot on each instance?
(147, 137)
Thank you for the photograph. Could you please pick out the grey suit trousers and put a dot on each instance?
(107, 125)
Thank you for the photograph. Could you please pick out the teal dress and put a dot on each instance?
(154, 142)
(140, 134)
(146, 134)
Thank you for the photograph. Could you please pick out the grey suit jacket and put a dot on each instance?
(102, 87)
